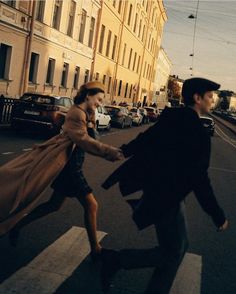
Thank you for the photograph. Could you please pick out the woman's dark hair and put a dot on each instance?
(83, 92)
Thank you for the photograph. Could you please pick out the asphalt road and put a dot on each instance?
(217, 250)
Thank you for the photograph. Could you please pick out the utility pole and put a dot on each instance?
(29, 41)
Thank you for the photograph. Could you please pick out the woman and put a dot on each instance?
(71, 181)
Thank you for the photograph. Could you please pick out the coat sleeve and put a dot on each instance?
(144, 139)
(202, 186)
(76, 128)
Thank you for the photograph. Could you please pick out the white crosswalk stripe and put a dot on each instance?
(51, 267)
(54, 265)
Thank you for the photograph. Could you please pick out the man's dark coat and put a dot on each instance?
(167, 162)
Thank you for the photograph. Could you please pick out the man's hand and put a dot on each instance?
(115, 154)
(224, 226)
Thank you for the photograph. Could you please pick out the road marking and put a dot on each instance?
(7, 153)
(225, 137)
(188, 278)
(45, 273)
(223, 169)
(27, 149)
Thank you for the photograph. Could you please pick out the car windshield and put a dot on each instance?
(112, 110)
(37, 99)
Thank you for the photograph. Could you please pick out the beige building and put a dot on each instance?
(163, 70)
(128, 45)
(61, 49)
(54, 46)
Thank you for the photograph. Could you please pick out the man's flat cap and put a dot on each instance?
(198, 85)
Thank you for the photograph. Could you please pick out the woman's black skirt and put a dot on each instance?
(71, 180)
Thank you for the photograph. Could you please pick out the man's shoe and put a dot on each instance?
(110, 266)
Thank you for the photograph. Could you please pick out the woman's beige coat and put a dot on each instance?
(24, 179)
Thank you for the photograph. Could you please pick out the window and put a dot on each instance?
(120, 87)
(91, 32)
(5, 60)
(82, 25)
(101, 38)
(149, 41)
(130, 91)
(109, 85)
(71, 18)
(135, 22)
(120, 5)
(138, 63)
(97, 76)
(11, 3)
(76, 77)
(108, 43)
(86, 76)
(64, 75)
(114, 3)
(104, 80)
(40, 4)
(130, 57)
(114, 47)
(57, 14)
(144, 28)
(50, 71)
(135, 57)
(126, 89)
(140, 27)
(130, 13)
(123, 58)
(33, 71)
(147, 73)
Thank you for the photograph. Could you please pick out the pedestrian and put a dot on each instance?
(17, 203)
(169, 180)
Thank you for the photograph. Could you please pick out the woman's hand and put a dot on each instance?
(114, 154)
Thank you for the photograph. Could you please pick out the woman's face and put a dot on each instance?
(94, 101)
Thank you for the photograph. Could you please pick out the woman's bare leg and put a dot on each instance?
(90, 220)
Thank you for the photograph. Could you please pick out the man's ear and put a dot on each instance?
(196, 98)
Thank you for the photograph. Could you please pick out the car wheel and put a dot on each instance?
(130, 124)
(108, 127)
(123, 124)
(97, 125)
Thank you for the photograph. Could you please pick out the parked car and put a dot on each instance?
(103, 119)
(144, 113)
(153, 113)
(208, 124)
(41, 112)
(136, 116)
(119, 116)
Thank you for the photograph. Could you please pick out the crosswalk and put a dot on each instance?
(55, 265)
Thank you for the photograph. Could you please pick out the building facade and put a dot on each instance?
(54, 46)
(129, 40)
(61, 46)
(163, 71)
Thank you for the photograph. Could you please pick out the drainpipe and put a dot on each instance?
(96, 40)
(29, 40)
(114, 85)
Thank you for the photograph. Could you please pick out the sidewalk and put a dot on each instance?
(225, 123)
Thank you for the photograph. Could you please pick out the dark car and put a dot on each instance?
(208, 124)
(119, 116)
(40, 112)
(153, 113)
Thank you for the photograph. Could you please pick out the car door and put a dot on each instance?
(105, 117)
(100, 116)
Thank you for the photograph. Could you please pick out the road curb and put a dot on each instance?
(224, 123)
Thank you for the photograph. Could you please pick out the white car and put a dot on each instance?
(103, 119)
(136, 115)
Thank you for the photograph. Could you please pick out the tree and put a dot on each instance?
(174, 89)
(224, 96)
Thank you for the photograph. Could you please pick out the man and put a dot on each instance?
(167, 162)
